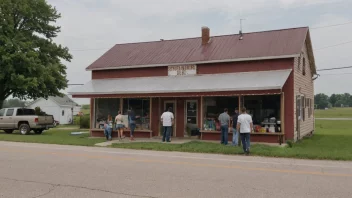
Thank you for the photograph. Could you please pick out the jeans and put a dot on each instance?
(107, 133)
(166, 133)
(224, 134)
(234, 137)
(246, 142)
(132, 128)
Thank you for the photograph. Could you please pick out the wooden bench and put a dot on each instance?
(279, 135)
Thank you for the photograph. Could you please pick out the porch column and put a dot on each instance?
(282, 112)
(150, 115)
(201, 113)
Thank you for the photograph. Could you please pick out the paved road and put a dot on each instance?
(46, 171)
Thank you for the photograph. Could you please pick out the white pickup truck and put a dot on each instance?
(24, 120)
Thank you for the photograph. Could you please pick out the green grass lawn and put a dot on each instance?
(334, 113)
(63, 126)
(332, 140)
(52, 136)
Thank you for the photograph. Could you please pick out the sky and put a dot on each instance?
(90, 27)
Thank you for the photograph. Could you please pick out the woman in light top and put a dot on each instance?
(119, 125)
(108, 128)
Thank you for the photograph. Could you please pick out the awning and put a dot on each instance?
(244, 81)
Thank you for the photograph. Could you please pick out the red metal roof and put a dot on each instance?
(228, 47)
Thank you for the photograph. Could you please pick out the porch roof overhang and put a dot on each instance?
(229, 82)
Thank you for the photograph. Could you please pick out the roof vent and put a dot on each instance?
(205, 35)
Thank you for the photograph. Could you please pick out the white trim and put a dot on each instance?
(179, 91)
(197, 62)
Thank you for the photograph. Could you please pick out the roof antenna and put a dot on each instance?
(241, 34)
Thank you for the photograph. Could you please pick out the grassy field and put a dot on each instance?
(332, 140)
(52, 136)
(334, 113)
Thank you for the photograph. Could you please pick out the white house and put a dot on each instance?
(62, 108)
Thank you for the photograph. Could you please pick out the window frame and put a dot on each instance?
(304, 66)
(2, 113)
(9, 110)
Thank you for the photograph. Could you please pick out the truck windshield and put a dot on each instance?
(25, 112)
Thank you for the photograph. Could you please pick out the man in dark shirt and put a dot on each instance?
(235, 132)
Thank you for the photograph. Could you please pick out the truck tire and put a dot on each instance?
(38, 131)
(24, 129)
(8, 131)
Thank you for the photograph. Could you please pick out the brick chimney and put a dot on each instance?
(205, 35)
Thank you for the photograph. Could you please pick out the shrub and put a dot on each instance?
(84, 122)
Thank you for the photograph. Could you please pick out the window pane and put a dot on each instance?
(105, 108)
(141, 109)
(9, 112)
(213, 107)
(2, 111)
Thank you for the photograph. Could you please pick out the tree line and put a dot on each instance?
(323, 101)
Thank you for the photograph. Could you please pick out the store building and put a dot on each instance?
(271, 73)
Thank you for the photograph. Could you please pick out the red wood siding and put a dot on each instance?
(289, 107)
(130, 73)
(155, 116)
(246, 66)
(180, 121)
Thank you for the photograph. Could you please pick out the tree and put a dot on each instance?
(30, 61)
(321, 100)
(38, 111)
(15, 102)
(333, 99)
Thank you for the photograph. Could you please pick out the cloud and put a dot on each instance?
(96, 24)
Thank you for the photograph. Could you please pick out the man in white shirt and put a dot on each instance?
(245, 127)
(167, 118)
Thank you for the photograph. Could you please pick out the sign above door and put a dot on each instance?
(182, 70)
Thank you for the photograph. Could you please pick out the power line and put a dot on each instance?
(333, 25)
(344, 43)
(335, 68)
(335, 74)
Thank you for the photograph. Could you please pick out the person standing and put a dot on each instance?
(224, 120)
(245, 127)
(119, 125)
(234, 126)
(132, 123)
(167, 118)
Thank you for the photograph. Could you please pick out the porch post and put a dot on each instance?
(201, 112)
(121, 105)
(150, 115)
(282, 113)
(92, 114)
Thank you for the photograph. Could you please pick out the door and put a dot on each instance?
(8, 120)
(167, 105)
(191, 116)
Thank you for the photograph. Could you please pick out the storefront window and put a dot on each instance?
(213, 107)
(141, 108)
(105, 107)
(265, 111)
